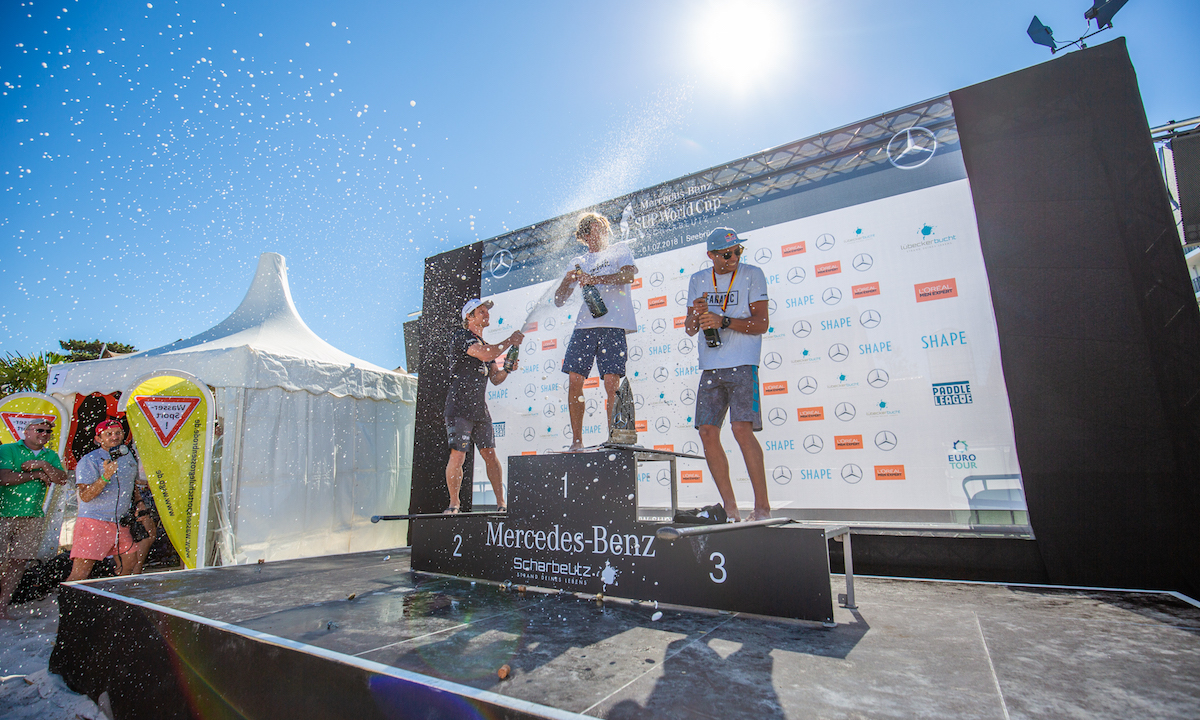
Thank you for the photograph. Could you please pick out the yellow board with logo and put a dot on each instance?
(18, 411)
(171, 421)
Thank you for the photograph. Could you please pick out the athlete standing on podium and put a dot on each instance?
(730, 298)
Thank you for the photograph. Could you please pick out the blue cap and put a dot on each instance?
(722, 238)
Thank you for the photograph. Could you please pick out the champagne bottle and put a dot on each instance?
(591, 296)
(712, 337)
(511, 358)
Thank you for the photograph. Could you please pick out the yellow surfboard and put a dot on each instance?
(171, 420)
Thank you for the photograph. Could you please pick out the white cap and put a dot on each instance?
(472, 304)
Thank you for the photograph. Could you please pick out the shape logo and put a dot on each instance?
(166, 414)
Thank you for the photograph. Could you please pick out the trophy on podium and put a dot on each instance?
(624, 424)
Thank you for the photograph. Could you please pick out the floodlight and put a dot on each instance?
(1043, 35)
(1102, 12)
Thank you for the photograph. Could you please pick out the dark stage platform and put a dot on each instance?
(284, 640)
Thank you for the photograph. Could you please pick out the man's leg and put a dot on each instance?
(752, 454)
(611, 383)
(494, 473)
(80, 569)
(576, 409)
(128, 564)
(718, 465)
(10, 576)
(454, 473)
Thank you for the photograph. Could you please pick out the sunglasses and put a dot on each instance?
(42, 430)
(730, 253)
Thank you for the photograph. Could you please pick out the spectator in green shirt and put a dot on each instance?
(27, 469)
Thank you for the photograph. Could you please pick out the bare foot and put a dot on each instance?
(733, 513)
(759, 514)
(576, 446)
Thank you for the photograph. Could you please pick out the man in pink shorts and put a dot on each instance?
(105, 480)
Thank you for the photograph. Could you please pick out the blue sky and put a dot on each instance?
(151, 151)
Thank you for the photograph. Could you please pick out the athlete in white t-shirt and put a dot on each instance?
(731, 297)
(610, 268)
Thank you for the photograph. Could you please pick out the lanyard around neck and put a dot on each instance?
(725, 304)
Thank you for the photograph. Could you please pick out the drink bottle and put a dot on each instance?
(712, 337)
(511, 358)
(591, 296)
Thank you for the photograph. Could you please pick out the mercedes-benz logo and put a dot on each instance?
(870, 319)
(777, 416)
(662, 424)
(664, 477)
(659, 326)
(687, 397)
(548, 411)
(795, 275)
(851, 473)
(813, 444)
(838, 352)
(911, 148)
(635, 353)
(529, 306)
(844, 412)
(530, 347)
(500, 264)
(530, 390)
(661, 374)
(656, 279)
(638, 401)
(831, 296)
(706, 265)
(762, 256)
(807, 385)
(637, 305)
(885, 440)
(529, 434)
(771, 306)
(802, 328)
(861, 262)
(548, 324)
(691, 448)
(782, 475)
(877, 378)
(681, 298)
(825, 241)
(591, 406)
(773, 360)
(686, 345)
(550, 365)
(566, 431)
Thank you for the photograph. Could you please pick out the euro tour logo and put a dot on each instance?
(962, 458)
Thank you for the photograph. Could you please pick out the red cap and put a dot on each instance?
(105, 424)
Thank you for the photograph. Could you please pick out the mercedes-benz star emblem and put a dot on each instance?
(813, 444)
(530, 390)
(838, 352)
(637, 306)
(777, 416)
(862, 261)
(638, 401)
(664, 477)
(851, 473)
(773, 360)
(550, 366)
(831, 296)
(870, 319)
(795, 275)
(844, 412)
(771, 306)
(656, 279)
(500, 264)
(877, 378)
(782, 475)
(548, 411)
(687, 397)
(686, 345)
(825, 241)
(529, 434)
(681, 297)
(762, 256)
(885, 440)
(807, 385)
(911, 148)
(802, 328)
(661, 374)
(548, 323)
(566, 432)
(635, 353)
(659, 326)
(531, 347)
(591, 405)
(529, 306)
(662, 424)
(691, 448)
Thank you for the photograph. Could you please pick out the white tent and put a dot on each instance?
(314, 441)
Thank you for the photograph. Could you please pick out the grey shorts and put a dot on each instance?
(20, 537)
(461, 432)
(729, 389)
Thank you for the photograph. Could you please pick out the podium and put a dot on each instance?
(572, 525)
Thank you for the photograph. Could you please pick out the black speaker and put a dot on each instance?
(1186, 151)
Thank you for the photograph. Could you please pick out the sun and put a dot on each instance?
(739, 45)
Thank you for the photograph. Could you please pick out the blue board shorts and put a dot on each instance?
(606, 346)
(729, 389)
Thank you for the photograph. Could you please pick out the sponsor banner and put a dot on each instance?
(791, 249)
(847, 442)
(829, 268)
(550, 344)
(778, 387)
(691, 476)
(592, 382)
(17, 412)
(657, 302)
(889, 472)
(810, 413)
(170, 418)
(936, 290)
(679, 321)
(864, 290)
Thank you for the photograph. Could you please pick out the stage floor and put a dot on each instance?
(912, 648)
